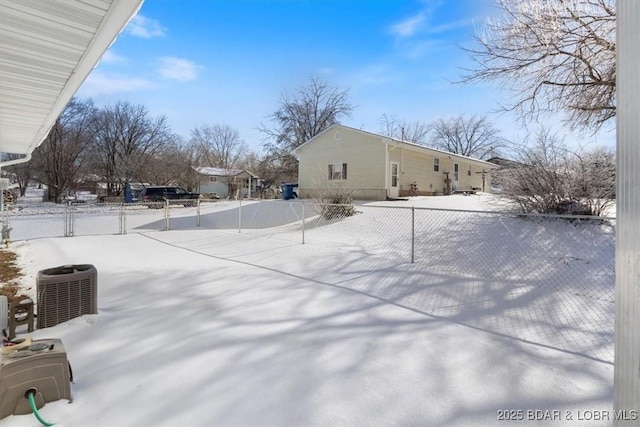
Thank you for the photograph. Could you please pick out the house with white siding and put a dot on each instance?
(377, 167)
(226, 183)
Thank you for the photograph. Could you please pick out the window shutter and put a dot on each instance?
(330, 171)
(344, 171)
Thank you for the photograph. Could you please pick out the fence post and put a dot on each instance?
(303, 222)
(123, 219)
(413, 233)
(73, 220)
(198, 213)
(166, 215)
(240, 216)
(5, 230)
(68, 220)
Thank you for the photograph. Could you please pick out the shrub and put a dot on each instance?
(550, 178)
(335, 203)
(338, 205)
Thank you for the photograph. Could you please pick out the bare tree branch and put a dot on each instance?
(555, 55)
(61, 156)
(393, 127)
(474, 136)
(550, 178)
(301, 116)
(125, 138)
(218, 146)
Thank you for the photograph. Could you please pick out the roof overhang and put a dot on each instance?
(47, 49)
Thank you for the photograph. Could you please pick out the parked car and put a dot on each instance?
(175, 196)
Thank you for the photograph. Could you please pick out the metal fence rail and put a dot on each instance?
(554, 274)
(565, 253)
(543, 279)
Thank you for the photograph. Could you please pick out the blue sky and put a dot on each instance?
(205, 62)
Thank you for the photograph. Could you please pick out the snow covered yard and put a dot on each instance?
(216, 327)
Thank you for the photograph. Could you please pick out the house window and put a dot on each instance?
(436, 165)
(456, 172)
(469, 170)
(213, 178)
(337, 171)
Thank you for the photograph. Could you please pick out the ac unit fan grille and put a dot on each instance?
(59, 301)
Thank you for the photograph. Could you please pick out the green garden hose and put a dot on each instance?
(32, 403)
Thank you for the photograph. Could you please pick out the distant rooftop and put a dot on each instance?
(220, 171)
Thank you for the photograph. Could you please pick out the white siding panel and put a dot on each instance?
(627, 334)
(364, 154)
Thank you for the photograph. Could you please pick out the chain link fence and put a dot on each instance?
(544, 279)
(573, 254)
(46, 220)
(541, 278)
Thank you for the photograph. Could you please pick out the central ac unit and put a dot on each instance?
(66, 292)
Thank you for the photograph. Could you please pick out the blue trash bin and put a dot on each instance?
(287, 191)
(128, 193)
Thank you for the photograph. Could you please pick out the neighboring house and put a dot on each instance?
(226, 182)
(376, 167)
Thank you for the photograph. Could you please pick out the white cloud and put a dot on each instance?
(178, 69)
(443, 28)
(409, 26)
(422, 21)
(146, 28)
(325, 70)
(99, 83)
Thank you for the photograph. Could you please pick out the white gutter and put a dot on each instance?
(16, 161)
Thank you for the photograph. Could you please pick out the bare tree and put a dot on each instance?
(172, 164)
(23, 171)
(301, 116)
(250, 161)
(393, 127)
(126, 137)
(550, 178)
(593, 179)
(475, 136)
(58, 160)
(218, 146)
(556, 55)
(535, 183)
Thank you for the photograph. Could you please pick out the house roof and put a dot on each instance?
(47, 49)
(203, 170)
(502, 162)
(389, 140)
